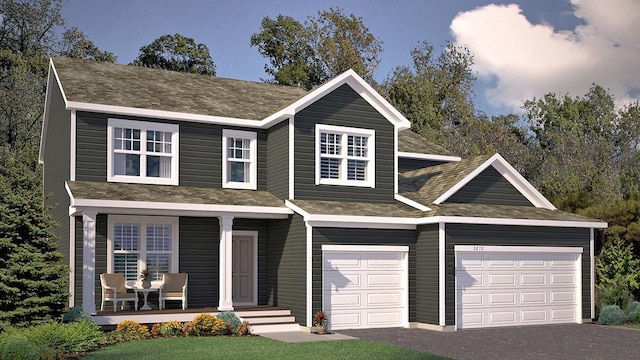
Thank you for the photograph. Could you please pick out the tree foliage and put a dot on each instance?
(33, 283)
(176, 53)
(309, 54)
(75, 44)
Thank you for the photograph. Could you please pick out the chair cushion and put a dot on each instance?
(172, 294)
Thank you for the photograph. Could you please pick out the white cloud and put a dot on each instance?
(526, 60)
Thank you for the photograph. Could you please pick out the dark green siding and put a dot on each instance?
(339, 236)
(199, 257)
(200, 153)
(489, 187)
(408, 164)
(427, 273)
(342, 107)
(462, 234)
(101, 258)
(278, 160)
(286, 265)
(56, 168)
(261, 227)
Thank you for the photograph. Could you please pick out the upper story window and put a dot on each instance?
(239, 157)
(345, 156)
(142, 152)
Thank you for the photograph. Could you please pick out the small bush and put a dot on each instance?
(76, 313)
(231, 319)
(632, 311)
(243, 329)
(611, 315)
(207, 324)
(188, 329)
(171, 329)
(71, 337)
(130, 330)
(16, 346)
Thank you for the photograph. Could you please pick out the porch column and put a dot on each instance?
(226, 266)
(89, 261)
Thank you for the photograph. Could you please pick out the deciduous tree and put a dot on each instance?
(176, 53)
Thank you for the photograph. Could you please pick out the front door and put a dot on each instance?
(244, 269)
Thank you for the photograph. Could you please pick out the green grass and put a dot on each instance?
(630, 326)
(253, 348)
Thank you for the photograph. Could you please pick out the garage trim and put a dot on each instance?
(376, 248)
(523, 249)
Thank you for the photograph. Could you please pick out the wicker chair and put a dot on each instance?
(174, 287)
(114, 289)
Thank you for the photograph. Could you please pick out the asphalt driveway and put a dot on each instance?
(571, 341)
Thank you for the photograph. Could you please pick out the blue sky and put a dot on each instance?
(522, 49)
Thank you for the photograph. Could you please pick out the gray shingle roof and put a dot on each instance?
(408, 141)
(171, 194)
(505, 212)
(320, 207)
(155, 89)
(427, 184)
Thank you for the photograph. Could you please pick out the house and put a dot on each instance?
(319, 200)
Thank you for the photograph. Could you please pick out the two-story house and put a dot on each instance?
(319, 200)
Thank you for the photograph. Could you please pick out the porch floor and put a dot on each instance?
(262, 318)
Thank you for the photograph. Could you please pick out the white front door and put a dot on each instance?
(511, 286)
(365, 286)
(244, 268)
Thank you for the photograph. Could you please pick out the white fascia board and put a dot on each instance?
(518, 249)
(433, 157)
(298, 210)
(411, 203)
(365, 248)
(510, 174)
(502, 221)
(358, 84)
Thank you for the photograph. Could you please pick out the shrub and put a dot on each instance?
(632, 311)
(615, 292)
(171, 328)
(130, 330)
(76, 313)
(232, 321)
(243, 329)
(207, 324)
(67, 338)
(16, 346)
(188, 329)
(611, 315)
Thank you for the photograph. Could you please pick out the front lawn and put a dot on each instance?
(253, 347)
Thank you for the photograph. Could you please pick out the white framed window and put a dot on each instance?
(239, 159)
(345, 156)
(135, 243)
(142, 152)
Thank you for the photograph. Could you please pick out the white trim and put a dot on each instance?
(144, 126)
(72, 261)
(309, 307)
(291, 157)
(89, 261)
(225, 270)
(395, 160)
(433, 157)
(254, 236)
(579, 288)
(510, 174)
(344, 132)
(442, 272)
(253, 166)
(72, 147)
(176, 207)
(361, 225)
(365, 248)
(501, 221)
(410, 202)
(518, 249)
(143, 221)
(592, 283)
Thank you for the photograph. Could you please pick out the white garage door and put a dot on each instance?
(508, 286)
(365, 286)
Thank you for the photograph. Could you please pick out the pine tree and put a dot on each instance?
(33, 281)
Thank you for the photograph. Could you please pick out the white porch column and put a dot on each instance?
(226, 266)
(89, 261)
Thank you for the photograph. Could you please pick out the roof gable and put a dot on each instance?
(412, 145)
(491, 188)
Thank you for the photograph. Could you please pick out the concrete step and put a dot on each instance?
(270, 328)
(255, 320)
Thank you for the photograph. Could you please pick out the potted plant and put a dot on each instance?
(320, 322)
(145, 276)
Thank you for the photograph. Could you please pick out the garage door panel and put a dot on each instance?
(516, 288)
(346, 300)
(345, 320)
(384, 299)
(384, 280)
(385, 262)
(343, 281)
(384, 318)
(343, 261)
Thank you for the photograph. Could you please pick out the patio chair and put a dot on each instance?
(114, 289)
(174, 287)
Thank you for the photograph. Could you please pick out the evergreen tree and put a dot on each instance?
(33, 282)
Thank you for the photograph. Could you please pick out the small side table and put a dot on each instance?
(145, 293)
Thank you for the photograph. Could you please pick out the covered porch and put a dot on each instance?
(216, 215)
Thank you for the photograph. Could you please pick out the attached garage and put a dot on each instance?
(365, 286)
(517, 285)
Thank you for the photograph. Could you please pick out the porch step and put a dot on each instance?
(270, 328)
(276, 320)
